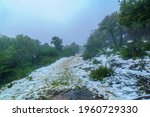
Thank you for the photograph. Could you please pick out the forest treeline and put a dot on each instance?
(22, 54)
(126, 31)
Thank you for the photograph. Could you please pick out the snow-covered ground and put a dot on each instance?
(123, 85)
(71, 73)
(41, 83)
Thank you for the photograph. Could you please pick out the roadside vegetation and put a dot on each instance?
(101, 73)
(22, 54)
(126, 31)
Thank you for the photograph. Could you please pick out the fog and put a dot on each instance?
(71, 20)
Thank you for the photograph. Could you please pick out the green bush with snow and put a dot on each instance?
(101, 73)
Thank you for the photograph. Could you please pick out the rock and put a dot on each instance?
(76, 94)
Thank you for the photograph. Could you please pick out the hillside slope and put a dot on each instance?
(70, 74)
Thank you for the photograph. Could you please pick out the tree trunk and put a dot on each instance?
(121, 36)
(113, 37)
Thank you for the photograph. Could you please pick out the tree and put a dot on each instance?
(22, 54)
(27, 49)
(71, 50)
(96, 42)
(7, 57)
(57, 43)
(109, 34)
(135, 15)
(75, 47)
(134, 11)
(110, 24)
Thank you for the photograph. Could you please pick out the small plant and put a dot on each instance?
(147, 46)
(125, 53)
(13, 97)
(101, 73)
(96, 61)
(30, 78)
(10, 85)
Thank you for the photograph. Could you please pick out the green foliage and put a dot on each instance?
(57, 43)
(135, 16)
(146, 46)
(110, 25)
(132, 22)
(10, 85)
(29, 78)
(109, 34)
(70, 50)
(21, 71)
(134, 12)
(125, 53)
(96, 61)
(27, 48)
(6, 58)
(86, 55)
(133, 50)
(94, 44)
(48, 60)
(21, 55)
(101, 73)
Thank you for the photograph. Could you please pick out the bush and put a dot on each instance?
(46, 60)
(101, 73)
(126, 53)
(29, 78)
(20, 55)
(96, 61)
(70, 50)
(86, 56)
(133, 50)
(147, 46)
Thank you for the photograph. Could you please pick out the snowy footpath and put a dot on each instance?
(72, 73)
(42, 83)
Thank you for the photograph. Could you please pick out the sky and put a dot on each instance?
(71, 20)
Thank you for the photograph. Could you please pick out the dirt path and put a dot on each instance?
(68, 78)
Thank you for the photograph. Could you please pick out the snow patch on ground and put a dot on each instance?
(123, 85)
(37, 84)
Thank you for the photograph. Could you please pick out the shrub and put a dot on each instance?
(70, 50)
(10, 85)
(87, 54)
(147, 46)
(126, 53)
(133, 50)
(101, 73)
(30, 78)
(96, 61)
